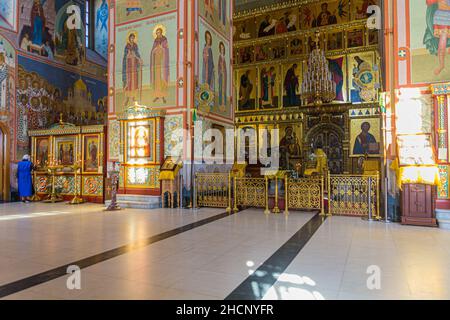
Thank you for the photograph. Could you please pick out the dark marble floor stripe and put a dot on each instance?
(256, 285)
(26, 283)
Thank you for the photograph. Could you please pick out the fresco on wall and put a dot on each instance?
(8, 14)
(217, 13)
(429, 24)
(146, 62)
(44, 92)
(215, 67)
(101, 14)
(70, 43)
(173, 136)
(37, 26)
(128, 10)
(7, 78)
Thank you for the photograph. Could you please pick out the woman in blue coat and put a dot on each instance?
(24, 178)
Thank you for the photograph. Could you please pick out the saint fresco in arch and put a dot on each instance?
(222, 70)
(159, 64)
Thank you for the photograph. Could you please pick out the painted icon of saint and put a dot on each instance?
(131, 69)
(268, 79)
(438, 28)
(37, 22)
(223, 85)
(208, 62)
(291, 85)
(245, 91)
(159, 64)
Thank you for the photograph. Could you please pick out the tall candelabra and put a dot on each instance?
(114, 174)
(77, 199)
(52, 166)
(318, 84)
(35, 197)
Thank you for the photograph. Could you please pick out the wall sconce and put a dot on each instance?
(180, 83)
(111, 91)
(111, 48)
(181, 33)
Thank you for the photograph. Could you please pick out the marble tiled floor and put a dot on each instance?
(210, 261)
(414, 263)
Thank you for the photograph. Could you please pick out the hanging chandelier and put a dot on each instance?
(318, 84)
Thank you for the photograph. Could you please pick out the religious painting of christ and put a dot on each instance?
(131, 69)
(223, 77)
(159, 64)
(365, 136)
(91, 154)
(208, 62)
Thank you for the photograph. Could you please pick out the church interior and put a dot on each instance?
(177, 150)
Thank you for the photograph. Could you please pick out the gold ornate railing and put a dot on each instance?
(251, 192)
(213, 190)
(304, 193)
(354, 195)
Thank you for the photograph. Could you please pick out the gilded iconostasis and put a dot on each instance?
(271, 52)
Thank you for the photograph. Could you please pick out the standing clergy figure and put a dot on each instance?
(159, 65)
(208, 62)
(131, 66)
(24, 181)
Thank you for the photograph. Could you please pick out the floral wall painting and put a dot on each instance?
(429, 41)
(129, 10)
(8, 13)
(146, 68)
(37, 27)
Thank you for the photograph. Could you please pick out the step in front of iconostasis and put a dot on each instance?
(137, 201)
